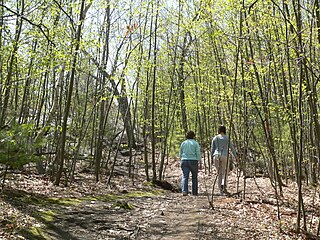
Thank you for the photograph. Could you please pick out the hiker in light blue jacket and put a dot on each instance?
(219, 149)
(190, 157)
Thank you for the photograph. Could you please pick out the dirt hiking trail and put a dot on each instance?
(92, 211)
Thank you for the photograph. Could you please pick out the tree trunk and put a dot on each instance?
(6, 91)
(61, 151)
(25, 98)
(181, 80)
(153, 106)
(300, 53)
(103, 103)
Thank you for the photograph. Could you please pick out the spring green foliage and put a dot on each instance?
(214, 60)
(17, 145)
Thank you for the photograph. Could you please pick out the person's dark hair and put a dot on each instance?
(190, 135)
(222, 129)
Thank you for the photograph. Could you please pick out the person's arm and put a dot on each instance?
(181, 150)
(213, 146)
(198, 153)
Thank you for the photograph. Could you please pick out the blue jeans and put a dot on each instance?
(188, 166)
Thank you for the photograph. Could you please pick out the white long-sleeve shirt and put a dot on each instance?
(219, 146)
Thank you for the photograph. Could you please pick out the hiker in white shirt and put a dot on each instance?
(219, 149)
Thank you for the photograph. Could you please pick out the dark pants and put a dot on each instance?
(188, 166)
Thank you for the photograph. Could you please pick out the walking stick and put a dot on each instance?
(215, 180)
(207, 192)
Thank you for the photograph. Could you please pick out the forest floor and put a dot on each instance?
(31, 207)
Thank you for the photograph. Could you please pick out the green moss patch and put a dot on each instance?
(115, 197)
(107, 197)
(136, 194)
(48, 215)
(37, 233)
(123, 205)
(64, 201)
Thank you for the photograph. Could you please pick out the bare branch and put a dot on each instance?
(39, 26)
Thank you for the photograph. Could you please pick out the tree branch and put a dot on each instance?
(39, 26)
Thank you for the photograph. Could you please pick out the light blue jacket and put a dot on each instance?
(190, 150)
(219, 146)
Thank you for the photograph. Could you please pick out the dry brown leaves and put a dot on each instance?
(259, 214)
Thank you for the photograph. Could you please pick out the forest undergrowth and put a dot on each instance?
(131, 208)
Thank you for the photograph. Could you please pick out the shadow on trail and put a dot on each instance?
(88, 219)
(164, 217)
(29, 204)
(210, 231)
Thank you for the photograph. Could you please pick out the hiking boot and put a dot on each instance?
(224, 193)
(221, 190)
(184, 194)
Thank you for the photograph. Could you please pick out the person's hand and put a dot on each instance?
(237, 162)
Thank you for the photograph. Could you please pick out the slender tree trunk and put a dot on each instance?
(181, 80)
(26, 93)
(103, 104)
(145, 124)
(6, 91)
(265, 118)
(246, 129)
(1, 46)
(61, 151)
(180, 72)
(300, 53)
(146, 105)
(289, 101)
(317, 8)
(234, 88)
(100, 139)
(313, 102)
(153, 106)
